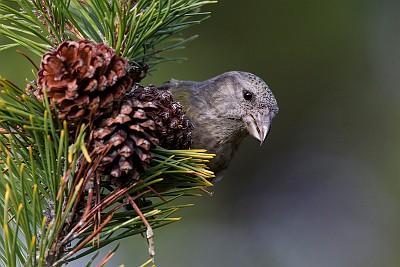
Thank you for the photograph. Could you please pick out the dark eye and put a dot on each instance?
(247, 95)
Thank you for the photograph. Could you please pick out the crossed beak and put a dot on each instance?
(258, 125)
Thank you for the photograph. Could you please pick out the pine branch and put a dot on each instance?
(31, 138)
(54, 188)
(137, 30)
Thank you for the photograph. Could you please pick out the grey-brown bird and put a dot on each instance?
(224, 110)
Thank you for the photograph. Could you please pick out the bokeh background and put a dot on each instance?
(324, 188)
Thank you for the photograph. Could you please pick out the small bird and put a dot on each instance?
(224, 110)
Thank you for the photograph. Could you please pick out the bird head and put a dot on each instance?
(247, 99)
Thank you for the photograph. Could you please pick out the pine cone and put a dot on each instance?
(173, 129)
(146, 118)
(83, 77)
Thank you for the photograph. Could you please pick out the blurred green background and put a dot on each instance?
(324, 188)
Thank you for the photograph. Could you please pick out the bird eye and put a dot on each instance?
(247, 95)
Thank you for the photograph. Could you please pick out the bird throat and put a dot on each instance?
(222, 137)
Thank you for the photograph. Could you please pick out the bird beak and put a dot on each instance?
(258, 126)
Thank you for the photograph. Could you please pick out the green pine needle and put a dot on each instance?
(47, 197)
(38, 164)
(138, 30)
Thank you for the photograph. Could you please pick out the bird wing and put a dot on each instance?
(180, 90)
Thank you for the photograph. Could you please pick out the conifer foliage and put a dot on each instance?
(87, 154)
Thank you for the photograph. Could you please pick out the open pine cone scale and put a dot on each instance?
(89, 83)
(80, 76)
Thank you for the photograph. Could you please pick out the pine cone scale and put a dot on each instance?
(146, 118)
(89, 75)
(89, 83)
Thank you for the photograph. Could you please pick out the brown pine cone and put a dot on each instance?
(173, 129)
(81, 78)
(146, 118)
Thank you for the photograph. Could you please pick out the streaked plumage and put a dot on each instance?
(224, 110)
